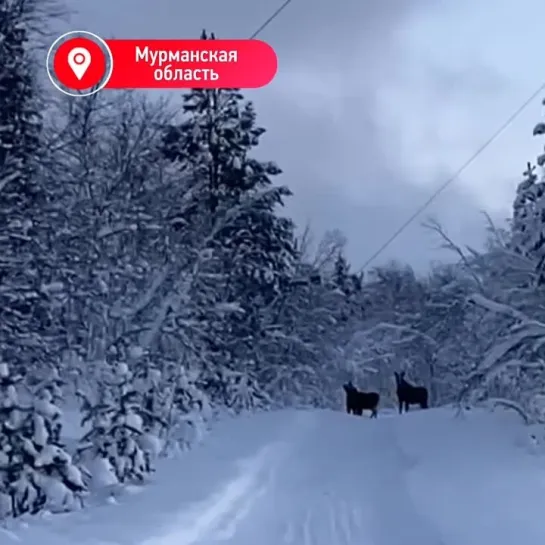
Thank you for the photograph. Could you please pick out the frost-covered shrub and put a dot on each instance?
(113, 445)
(190, 407)
(241, 392)
(36, 472)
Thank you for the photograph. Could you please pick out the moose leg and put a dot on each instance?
(400, 407)
(374, 413)
(407, 406)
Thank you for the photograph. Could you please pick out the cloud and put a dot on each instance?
(375, 105)
(348, 180)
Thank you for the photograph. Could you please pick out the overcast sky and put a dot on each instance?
(376, 103)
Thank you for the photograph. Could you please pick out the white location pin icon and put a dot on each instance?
(79, 60)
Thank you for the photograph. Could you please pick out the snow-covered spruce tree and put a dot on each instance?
(112, 449)
(174, 409)
(347, 283)
(46, 393)
(190, 406)
(253, 246)
(9, 440)
(24, 312)
(37, 472)
(343, 279)
(341, 273)
(528, 224)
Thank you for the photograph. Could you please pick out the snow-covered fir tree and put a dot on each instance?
(37, 471)
(24, 314)
(529, 218)
(190, 408)
(528, 223)
(234, 198)
(113, 448)
(341, 273)
(149, 383)
(9, 424)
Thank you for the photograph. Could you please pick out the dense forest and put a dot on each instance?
(150, 279)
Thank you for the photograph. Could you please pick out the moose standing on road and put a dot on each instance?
(357, 402)
(409, 394)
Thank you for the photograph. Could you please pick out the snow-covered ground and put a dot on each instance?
(326, 478)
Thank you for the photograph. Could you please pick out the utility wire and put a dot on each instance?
(441, 188)
(457, 173)
(273, 16)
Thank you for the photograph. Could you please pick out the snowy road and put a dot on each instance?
(325, 478)
(342, 496)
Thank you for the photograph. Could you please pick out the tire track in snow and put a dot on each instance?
(263, 477)
(218, 517)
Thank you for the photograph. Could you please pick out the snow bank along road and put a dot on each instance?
(326, 478)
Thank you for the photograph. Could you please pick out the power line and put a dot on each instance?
(457, 173)
(273, 16)
(441, 188)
